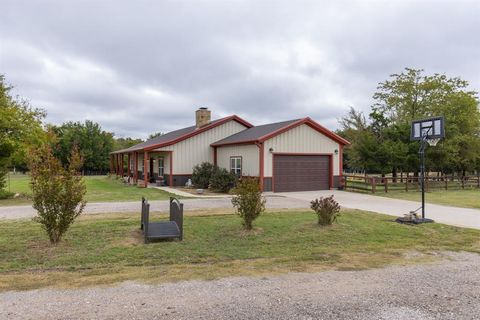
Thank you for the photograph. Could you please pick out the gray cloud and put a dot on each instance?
(145, 66)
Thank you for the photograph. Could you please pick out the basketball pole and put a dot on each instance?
(422, 172)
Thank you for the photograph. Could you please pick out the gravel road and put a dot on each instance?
(446, 290)
(273, 202)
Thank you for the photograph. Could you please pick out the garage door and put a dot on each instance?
(301, 172)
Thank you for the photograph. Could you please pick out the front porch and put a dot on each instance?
(142, 168)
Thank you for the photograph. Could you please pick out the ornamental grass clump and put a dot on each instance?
(248, 201)
(327, 210)
(58, 192)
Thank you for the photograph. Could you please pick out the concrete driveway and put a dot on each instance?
(462, 217)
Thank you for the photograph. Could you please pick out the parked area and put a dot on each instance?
(442, 290)
(108, 248)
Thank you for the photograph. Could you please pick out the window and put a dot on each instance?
(161, 168)
(236, 165)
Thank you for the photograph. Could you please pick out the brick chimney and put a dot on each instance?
(202, 117)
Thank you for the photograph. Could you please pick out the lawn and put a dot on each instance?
(99, 189)
(108, 248)
(468, 198)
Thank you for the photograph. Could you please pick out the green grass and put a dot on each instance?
(108, 248)
(99, 189)
(468, 198)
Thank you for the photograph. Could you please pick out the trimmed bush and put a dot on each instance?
(58, 192)
(248, 201)
(4, 194)
(202, 174)
(327, 210)
(222, 180)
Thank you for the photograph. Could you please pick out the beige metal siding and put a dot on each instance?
(250, 158)
(195, 150)
(301, 139)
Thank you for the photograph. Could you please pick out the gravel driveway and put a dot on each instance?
(447, 290)
(273, 202)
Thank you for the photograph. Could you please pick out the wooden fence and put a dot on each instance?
(407, 183)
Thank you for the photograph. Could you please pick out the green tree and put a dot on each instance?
(20, 127)
(124, 143)
(93, 143)
(382, 144)
(58, 191)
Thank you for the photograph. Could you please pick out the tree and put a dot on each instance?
(125, 143)
(155, 134)
(248, 201)
(93, 143)
(58, 191)
(382, 144)
(20, 127)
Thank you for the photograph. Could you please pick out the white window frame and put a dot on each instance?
(161, 169)
(236, 165)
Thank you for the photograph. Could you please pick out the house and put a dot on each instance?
(295, 155)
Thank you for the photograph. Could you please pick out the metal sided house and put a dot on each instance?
(295, 155)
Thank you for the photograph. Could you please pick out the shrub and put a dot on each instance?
(222, 180)
(202, 174)
(248, 201)
(327, 210)
(58, 192)
(4, 194)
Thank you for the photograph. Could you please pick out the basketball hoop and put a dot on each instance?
(432, 141)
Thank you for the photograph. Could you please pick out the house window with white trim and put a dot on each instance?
(236, 165)
(161, 167)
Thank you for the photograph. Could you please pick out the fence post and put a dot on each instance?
(386, 184)
(446, 182)
(374, 184)
(463, 182)
(478, 180)
(406, 183)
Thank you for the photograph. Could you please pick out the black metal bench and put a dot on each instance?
(172, 229)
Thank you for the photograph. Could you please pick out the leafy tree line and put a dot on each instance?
(22, 127)
(381, 141)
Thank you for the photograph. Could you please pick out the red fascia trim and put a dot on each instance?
(340, 161)
(308, 121)
(261, 163)
(200, 130)
(171, 169)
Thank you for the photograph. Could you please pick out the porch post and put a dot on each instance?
(111, 163)
(122, 164)
(145, 168)
(116, 165)
(171, 170)
(128, 165)
(135, 167)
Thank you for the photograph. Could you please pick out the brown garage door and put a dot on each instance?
(301, 172)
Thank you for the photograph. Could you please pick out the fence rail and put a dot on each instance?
(408, 183)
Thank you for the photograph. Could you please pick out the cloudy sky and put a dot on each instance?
(142, 66)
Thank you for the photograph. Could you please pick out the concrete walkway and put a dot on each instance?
(461, 217)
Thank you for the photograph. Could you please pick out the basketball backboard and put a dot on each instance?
(431, 128)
